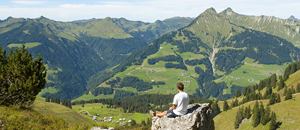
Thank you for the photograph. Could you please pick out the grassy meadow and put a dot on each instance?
(103, 111)
(293, 79)
(89, 96)
(287, 112)
(250, 73)
(287, 115)
(43, 115)
(158, 72)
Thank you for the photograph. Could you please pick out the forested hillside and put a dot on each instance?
(271, 104)
(75, 51)
(215, 56)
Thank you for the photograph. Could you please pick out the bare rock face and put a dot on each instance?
(199, 117)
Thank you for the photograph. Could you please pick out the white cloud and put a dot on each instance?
(150, 10)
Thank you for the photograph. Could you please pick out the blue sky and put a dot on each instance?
(144, 10)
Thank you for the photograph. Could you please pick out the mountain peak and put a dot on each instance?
(228, 11)
(10, 18)
(43, 18)
(108, 18)
(159, 22)
(292, 17)
(210, 10)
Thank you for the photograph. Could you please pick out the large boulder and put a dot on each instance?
(199, 117)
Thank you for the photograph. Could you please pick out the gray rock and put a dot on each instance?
(199, 117)
(99, 128)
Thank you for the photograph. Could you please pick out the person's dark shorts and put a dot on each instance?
(171, 114)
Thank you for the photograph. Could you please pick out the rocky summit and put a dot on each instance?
(199, 117)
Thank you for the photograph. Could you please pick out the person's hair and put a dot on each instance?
(180, 86)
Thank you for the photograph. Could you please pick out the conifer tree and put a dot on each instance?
(215, 108)
(273, 80)
(256, 115)
(238, 93)
(268, 92)
(261, 111)
(272, 99)
(298, 88)
(288, 95)
(273, 122)
(286, 72)
(239, 117)
(225, 106)
(3, 85)
(281, 83)
(247, 112)
(265, 118)
(278, 98)
(22, 78)
(234, 103)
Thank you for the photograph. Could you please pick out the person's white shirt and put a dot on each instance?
(181, 100)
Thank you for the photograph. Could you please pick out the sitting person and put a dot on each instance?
(179, 105)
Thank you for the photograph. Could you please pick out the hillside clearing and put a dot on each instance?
(250, 73)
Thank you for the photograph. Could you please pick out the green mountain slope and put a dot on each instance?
(285, 28)
(43, 115)
(78, 49)
(286, 112)
(210, 56)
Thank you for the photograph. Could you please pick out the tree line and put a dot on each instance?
(64, 102)
(140, 103)
(131, 81)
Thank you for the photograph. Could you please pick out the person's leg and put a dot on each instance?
(171, 114)
(161, 114)
(157, 113)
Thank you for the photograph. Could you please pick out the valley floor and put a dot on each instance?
(109, 117)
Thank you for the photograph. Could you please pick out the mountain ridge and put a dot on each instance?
(221, 46)
(77, 49)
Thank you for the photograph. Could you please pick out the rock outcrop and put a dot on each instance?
(199, 117)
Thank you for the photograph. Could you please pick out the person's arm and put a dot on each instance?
(174, 104)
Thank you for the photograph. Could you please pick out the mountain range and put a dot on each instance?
(214, 54)
(74, 51)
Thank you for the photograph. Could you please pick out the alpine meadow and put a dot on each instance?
(83, 65)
